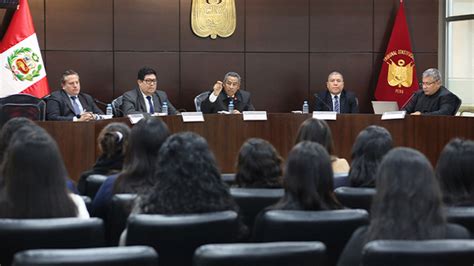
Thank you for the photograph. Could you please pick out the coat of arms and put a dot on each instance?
(24, 64)
(400, 74)
(213, 18)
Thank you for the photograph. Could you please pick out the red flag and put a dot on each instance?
(397, 79)
(21, 65)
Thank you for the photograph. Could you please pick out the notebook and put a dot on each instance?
(384, 106)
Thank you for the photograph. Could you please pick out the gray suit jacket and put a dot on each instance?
(133, 102)
(59, 106)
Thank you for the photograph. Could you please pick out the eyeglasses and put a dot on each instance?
(150, 81)
(428, 83)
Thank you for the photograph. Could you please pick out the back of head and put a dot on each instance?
(188, 180)
(407, 204)
(35, 178)
(308, 179)
(455, 171)
(9, 129)
(258, 165)
(145, 140)
(113, 139)
(370, 146)
(318, 131)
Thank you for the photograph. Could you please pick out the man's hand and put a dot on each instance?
(217, 88)
(236, 111)
(87, 116)
(416, 113)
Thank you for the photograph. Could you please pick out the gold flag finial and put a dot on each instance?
(213, 18)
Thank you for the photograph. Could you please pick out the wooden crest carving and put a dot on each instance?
(213, 18)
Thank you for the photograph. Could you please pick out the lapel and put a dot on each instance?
(157, 102)
(67, 100)
(342, 102)
(141, 102)
(329, 100)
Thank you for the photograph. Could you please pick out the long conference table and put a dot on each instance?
(226, 133)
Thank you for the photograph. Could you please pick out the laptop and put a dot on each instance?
(384, 106)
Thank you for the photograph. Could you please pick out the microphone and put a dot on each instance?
(100, 102)
(409, 99)
(115, 110)
(323, 102)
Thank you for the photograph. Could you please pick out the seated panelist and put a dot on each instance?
(335, 98)
(223, 92)
(146, 98)
(69, 103)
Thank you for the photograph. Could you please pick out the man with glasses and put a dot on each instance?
(434, 99)
(69, 103)
(146, 98)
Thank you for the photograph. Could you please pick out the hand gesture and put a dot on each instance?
(217, 88)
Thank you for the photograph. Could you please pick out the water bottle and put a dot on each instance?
(305, 107)
(164, 108)
(108, 110)
(231, 106)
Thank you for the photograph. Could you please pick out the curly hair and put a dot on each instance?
(308, 179)
(187, 179)
(258, 165)
(455, 172)
(370, 146)
(408, 202)
(145, 140)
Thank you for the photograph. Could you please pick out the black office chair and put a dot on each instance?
(333, 228)
(253, 200)
(419, 253)
(176, 237)
(261, 254)
(118, 211)
(228, 178)
(355, 197)
(199, 99)
(22, 105)
(23, 234)
(92, 185)
(117, 256)
(117, 106)
(463, 216)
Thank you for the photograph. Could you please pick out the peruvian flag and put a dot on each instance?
(21, 65)
(397, 79)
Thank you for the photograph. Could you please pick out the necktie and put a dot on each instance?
(336, 104)
(75, 106)
(152, 110)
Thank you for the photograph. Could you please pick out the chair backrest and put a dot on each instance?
(253, 200)
(463, 216)
(176, 237)
(355, 197)
(117, 106)
(199, 99)
(118, 210)
(93, 183)
(333, 228)
(22, 234)
(228, 178)
(419, 253)
(136, 255)
(88, 201)
(341, 180)
(458, 105)
(22, 105)
(261, 254)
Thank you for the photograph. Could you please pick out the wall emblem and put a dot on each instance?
(213, 18)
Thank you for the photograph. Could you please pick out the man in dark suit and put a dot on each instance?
(335, 98)
(69, 103)
(146, 98)
(224, 92)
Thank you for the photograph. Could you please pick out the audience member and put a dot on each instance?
(407, 205)
(35, 179)
(455, 171)
(318, 131)
(370, 146)
(113, 140)
(308, 180)
(9, 129)
(336, 98)
(258, 165)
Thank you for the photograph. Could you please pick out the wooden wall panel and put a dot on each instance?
(79, 25)
(146, 25)
(37, 12)
(341, 26)
(277, 26)
(95, 70)
(199, 72)
(278, 81)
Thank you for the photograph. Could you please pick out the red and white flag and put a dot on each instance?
(397, 79)
(21, 65)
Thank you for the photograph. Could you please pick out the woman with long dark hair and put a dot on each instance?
(407, 205)
(35, 179)
(455, 172)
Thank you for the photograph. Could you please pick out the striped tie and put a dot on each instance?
(336, 105)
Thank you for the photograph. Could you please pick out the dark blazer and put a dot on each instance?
(443, 102)
(241, 103)
(133, 102)
(59, 106)
(348, 102)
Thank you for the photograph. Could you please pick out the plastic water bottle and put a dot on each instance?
(305, 107)
(108, 110)
(231, 106)
(164, 108)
